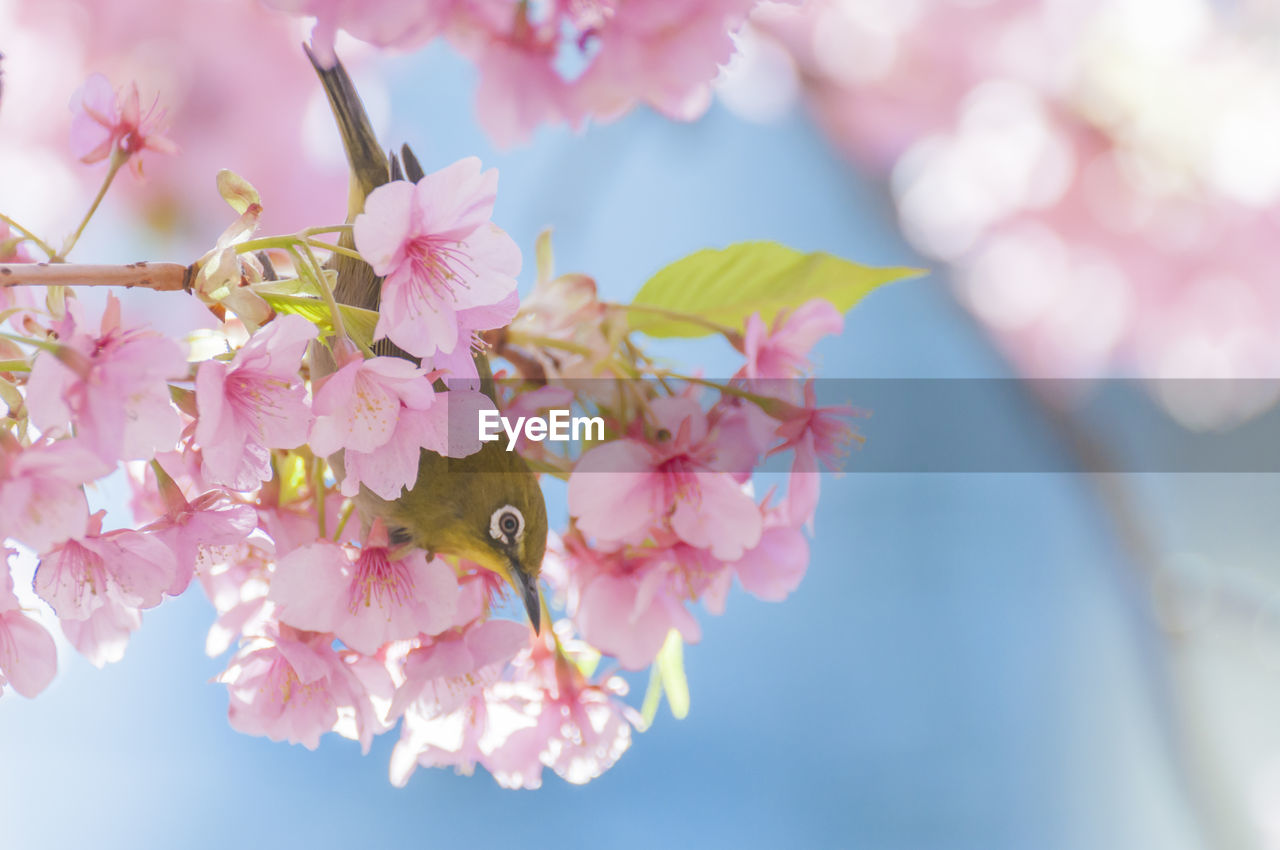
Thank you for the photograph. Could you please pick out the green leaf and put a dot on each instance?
(652, 697)
(666, 676)
(286, 286)
(671, 666)
(358, 322)
(725, 286)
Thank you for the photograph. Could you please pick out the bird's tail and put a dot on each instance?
(370, 167)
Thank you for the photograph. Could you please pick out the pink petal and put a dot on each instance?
(310, 587)
(774, 568)
(28, 656)
(457, 199)
(384, 227)
(611, 500)
(721, 517)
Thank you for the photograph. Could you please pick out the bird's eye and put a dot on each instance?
(506, 523)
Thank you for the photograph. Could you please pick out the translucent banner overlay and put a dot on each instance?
(902, 425)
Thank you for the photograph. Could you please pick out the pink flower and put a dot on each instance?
(818, 435)
(112, 386)
(291, 685)
(461, 738)
(782, 351)
(380, 413)
(442, 673)
(439, 253)
(662, 52)
(28, 656)
(253, 404)
(547, 714)
(385, 23)
(293, 525)
(622, 491)
(626, 602)
(79, 576)
(237, 581)
(212, 519)
(41, 499)
(458, 364)
(582, 727)
(775, 567)
(357, 406)
(103, 636)
(515, 50)
(106, 123)
(366, 602)
(394, 466)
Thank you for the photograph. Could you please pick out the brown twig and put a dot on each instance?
(162, 277)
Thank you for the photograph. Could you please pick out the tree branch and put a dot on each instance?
(162, 277)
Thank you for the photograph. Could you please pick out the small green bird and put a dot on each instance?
(487, 507)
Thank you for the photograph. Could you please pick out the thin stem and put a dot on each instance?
(548, 342)
(42, 344)
(330, 228)
(318, 491)
(775, 407)
(117, 160)
(335, 313)
(29, 236)
(342, 520)
(286, 242)
(162, 277)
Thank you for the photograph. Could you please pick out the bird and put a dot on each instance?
(487, 507)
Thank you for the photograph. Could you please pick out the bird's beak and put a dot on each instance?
(527, 589)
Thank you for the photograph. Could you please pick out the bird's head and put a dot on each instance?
(487, 508)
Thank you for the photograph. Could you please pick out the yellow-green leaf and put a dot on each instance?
(671, 666)
(358, 322)
(652, 698)
(725, 286)
(666, 676)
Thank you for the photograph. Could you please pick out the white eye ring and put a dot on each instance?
(502, 517)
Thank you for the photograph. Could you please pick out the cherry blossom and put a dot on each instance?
(212, 519)
(817, 435)
(441, 673)
(620, 490)
(439, 253)
(782, 350)
(103, 636)
(367, 601)
(379, 414)
(385, 23)
(79, 576)
(253, 404)
(40, 494)
(290, 685)
(111, 385)
(627, 602)
(582, 726)
(107, 124)
(662, 52)
(28, 656)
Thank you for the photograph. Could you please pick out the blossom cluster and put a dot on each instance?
(1100, 175)
(245, 460)
(556, 62)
